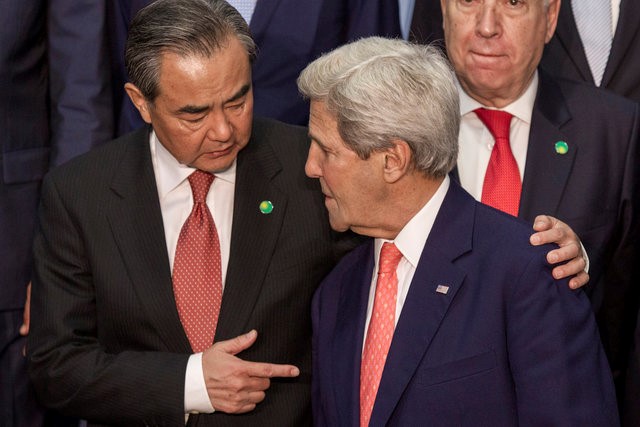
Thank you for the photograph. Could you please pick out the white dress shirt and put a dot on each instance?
(476, 142)
(176, 202)
(615, 14)
(410, 242)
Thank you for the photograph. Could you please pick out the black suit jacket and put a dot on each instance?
(107, 343)
(593, 188)
(564, 55)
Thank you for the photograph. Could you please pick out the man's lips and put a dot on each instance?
(219, 153)
(487, 55)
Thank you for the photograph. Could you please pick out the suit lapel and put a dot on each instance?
(625, 35)
(253, 236)
(425, 308)
(567, 34)
(542, 192)
(136, 223)
(349, 336)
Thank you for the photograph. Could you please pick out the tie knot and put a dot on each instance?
(498, 122)
(389, 258)
(200, 182)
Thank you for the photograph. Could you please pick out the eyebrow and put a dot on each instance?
(198, 109)
(239, 94)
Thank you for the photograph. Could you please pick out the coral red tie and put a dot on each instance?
(502, 184)
(380, 330)
(197, 272)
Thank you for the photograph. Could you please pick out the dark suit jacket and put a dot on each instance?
(506, 345)
(426, 25)
(593, 188)
(107, 343)
(54, 104)
(564, 55)
(289, 34)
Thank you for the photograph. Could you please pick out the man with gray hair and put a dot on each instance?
(127, 300)
(449, 316)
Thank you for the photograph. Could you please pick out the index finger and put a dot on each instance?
(270, 370)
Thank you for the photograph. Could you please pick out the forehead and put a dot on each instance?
(223, 70)
(529, 4)
(323, 124)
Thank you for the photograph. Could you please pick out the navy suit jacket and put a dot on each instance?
(564, 55)
(506, 345)
(289, 35)
(55, 103)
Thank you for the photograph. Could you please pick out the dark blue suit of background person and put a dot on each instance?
(55, 103)
(289, 35)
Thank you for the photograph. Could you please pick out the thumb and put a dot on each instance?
(238, 344)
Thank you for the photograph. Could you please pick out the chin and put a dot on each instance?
(336, 226)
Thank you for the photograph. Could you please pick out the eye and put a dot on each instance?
(514, 2)
(236, 107)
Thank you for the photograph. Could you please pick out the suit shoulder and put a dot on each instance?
(590, 98)
(98, 164)
(285, 139)
(508, 236)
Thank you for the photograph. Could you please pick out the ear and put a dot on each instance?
(397, 160)
(443, 7)
(552, 12)
(138, 99)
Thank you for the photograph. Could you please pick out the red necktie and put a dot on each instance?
(197, 272)
(380, 330)
(502, 184)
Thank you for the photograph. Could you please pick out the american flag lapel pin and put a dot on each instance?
(442, 289)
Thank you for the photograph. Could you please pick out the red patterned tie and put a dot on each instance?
(502, 184)
(380, 330)
(197, 272)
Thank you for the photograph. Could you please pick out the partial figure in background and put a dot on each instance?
(571, 148)
(289, 34)
(606, 56)
(55, 103)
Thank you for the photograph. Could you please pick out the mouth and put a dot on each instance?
(219, 153)
(486, 56)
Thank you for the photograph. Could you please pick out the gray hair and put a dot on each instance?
(385, 89)
(183, 27)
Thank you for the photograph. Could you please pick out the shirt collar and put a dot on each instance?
(413, 236)
(521, 108)
(170, 173)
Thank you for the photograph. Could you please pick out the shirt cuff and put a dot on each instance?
(196, 398)
(586, 258)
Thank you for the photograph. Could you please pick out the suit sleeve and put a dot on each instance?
(554, 346)
(79, 75)
(70, 369)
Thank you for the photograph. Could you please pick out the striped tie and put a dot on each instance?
(593, 19)
(245, 7)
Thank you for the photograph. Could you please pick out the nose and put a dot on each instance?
(312, 166)
(488, 24)
(219, 128)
